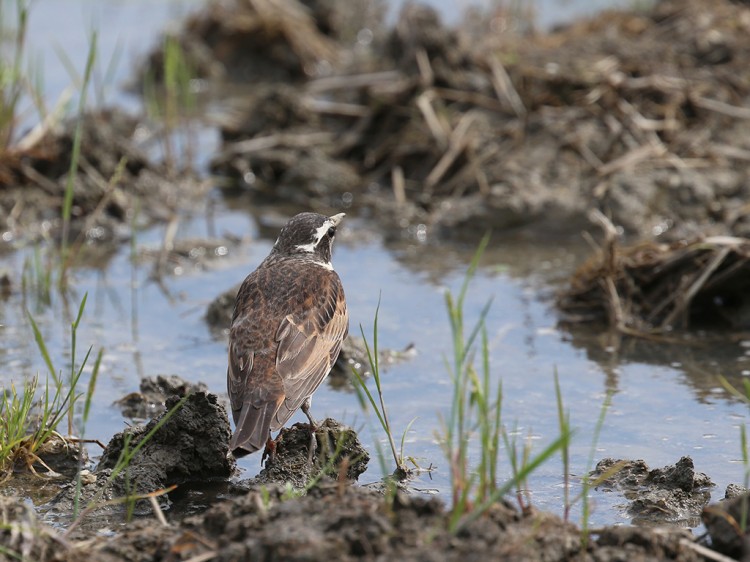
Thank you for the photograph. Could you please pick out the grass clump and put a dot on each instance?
(12, 80)
(29, 420)
(476, 417)
(366, 399)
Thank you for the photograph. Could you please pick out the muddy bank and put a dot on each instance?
(656, 288)
(116, 185)
(340, 522)
(188, 442)
(673, 494)
(637, 114)
(305, 503)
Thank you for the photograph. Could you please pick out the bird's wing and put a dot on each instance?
(309, 344)
(240, 366)
(255, 399)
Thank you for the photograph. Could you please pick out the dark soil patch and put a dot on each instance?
(340, 522)
(674, 494)
(150, 401)
(192, 444)
(303, 505)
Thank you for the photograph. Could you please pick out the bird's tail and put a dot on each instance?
(253, 428)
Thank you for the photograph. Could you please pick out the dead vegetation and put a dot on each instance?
(640, 115)
(654, 288)
(115, 180)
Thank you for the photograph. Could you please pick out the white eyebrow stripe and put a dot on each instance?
(320, 232)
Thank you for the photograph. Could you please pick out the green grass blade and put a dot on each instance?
(43, 348)
(92, 385)
(523, 473)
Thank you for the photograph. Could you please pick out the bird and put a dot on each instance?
(289, 321)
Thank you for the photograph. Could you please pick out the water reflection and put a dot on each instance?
(700, 357)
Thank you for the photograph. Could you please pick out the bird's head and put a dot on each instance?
(308, 235)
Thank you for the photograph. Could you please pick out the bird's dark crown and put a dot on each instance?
(308, 235)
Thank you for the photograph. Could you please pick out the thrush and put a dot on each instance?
(288, 323)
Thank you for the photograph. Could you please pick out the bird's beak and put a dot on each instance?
(336, 219)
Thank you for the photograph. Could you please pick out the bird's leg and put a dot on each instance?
(269, 452)
(313, 428)
(306, 411)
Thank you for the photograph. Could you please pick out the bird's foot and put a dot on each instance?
(269, 453)
(313, 428)
(313, 445)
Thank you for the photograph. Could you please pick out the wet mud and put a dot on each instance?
(635, 115)
(188, 442)
(115, 183)
(673, 494)
(305, 504)
(464, 127)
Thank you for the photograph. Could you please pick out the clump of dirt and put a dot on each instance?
(724, 523)
(301, 455)
(154, 392)
(653, 287)
(114, 176)
(261, 40)
(341, 522)
(637, 114)
(675, 494)
(219, 312)
(191, 444)
(64, 457)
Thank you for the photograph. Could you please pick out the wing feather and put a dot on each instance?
(309, 344)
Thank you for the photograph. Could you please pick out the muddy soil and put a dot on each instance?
(116, 184)
(674, 494)
(304, 505)
(638, 115)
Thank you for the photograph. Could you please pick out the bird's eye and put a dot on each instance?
(331, 231)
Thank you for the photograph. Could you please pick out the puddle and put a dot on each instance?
(667, 401)
(660, 411)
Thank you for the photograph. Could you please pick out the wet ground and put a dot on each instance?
(163, 244)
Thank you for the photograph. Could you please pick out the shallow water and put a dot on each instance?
(666, 403)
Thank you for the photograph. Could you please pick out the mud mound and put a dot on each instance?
(675, 494)
(191, 445)
(114, 176)
(259, 40)
(154, 392)
(638, 114)
(340, 522)
(336, 452)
